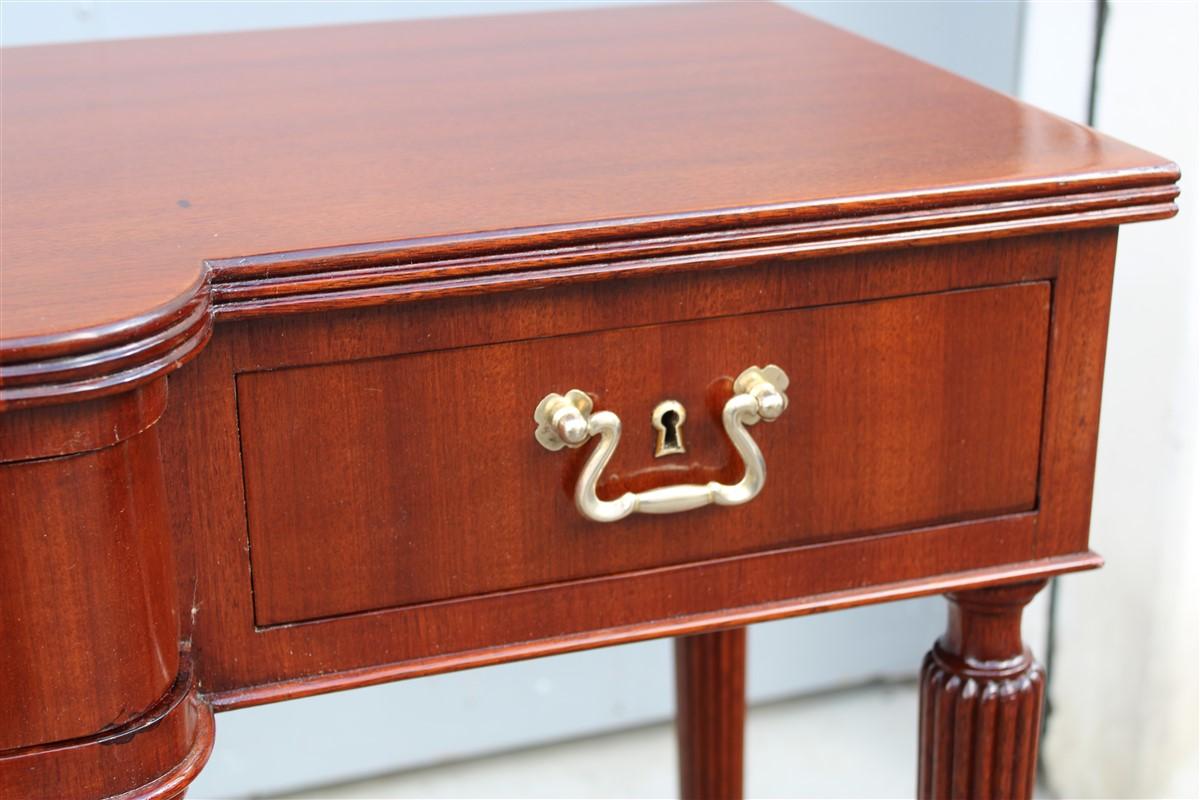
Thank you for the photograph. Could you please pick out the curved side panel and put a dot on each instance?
(89, 613)
(158, 755)
(77, 428)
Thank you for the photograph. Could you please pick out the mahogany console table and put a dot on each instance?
(317, 346)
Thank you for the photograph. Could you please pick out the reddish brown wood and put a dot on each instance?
(153, 757)
(1078, 339)
(377, 265)
(308, 685)
(97, 699)
(36, 433)
(710, 713)
(133, 356)
(981, 700)
(242, 660)
(364, 213)
(583, 95)
(84, 559)
(324, 281)
(390, 472)
(763, 283)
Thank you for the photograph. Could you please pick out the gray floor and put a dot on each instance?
(857, 743)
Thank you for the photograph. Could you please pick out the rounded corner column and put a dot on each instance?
(981, 700)
(99, 699)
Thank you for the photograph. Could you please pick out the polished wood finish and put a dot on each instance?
(963, 376)
(96, 692)
(585, 112)
(981, 700)
(35, 433)
(277, 308)
(1078, 336)
(93, 538)
(710, 713)
(153, 757)
(246, 661)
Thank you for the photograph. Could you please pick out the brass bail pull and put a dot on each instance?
(569, 421)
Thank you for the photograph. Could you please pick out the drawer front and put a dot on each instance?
(398, 481)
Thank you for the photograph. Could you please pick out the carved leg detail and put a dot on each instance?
(710, 688)
(981, 700)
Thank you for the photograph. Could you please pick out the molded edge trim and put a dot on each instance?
(698, 623)
(77, 428)
(106, 360)
(102, 337)
(168, 785)
(412, 265)
(179, 730)
(127, 373)
(438, 288)
(1034, 194)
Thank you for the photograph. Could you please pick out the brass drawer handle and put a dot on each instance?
(568, 421)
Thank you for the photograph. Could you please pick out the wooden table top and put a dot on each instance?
(127, 165)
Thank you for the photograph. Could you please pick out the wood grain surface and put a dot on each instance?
(710, 713)
(418, 477)
(85, 563)
(151, 757)
(981, 701)
(242, 661)
(130, 166)
(72, 428)
(390, 241)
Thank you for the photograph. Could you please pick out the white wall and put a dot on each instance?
(1124, 686)
(977, 40)
(39, 22)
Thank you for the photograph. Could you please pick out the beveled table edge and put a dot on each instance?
(83, 364)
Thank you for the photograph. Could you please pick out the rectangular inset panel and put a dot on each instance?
(395, 481)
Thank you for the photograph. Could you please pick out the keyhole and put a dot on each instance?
(670, 434)
(668, 419)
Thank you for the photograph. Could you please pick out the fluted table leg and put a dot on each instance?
(981, 700)
(710, 688)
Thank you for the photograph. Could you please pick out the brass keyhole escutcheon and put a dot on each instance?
(668, 418)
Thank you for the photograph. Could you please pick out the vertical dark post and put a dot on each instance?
(710, 690)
